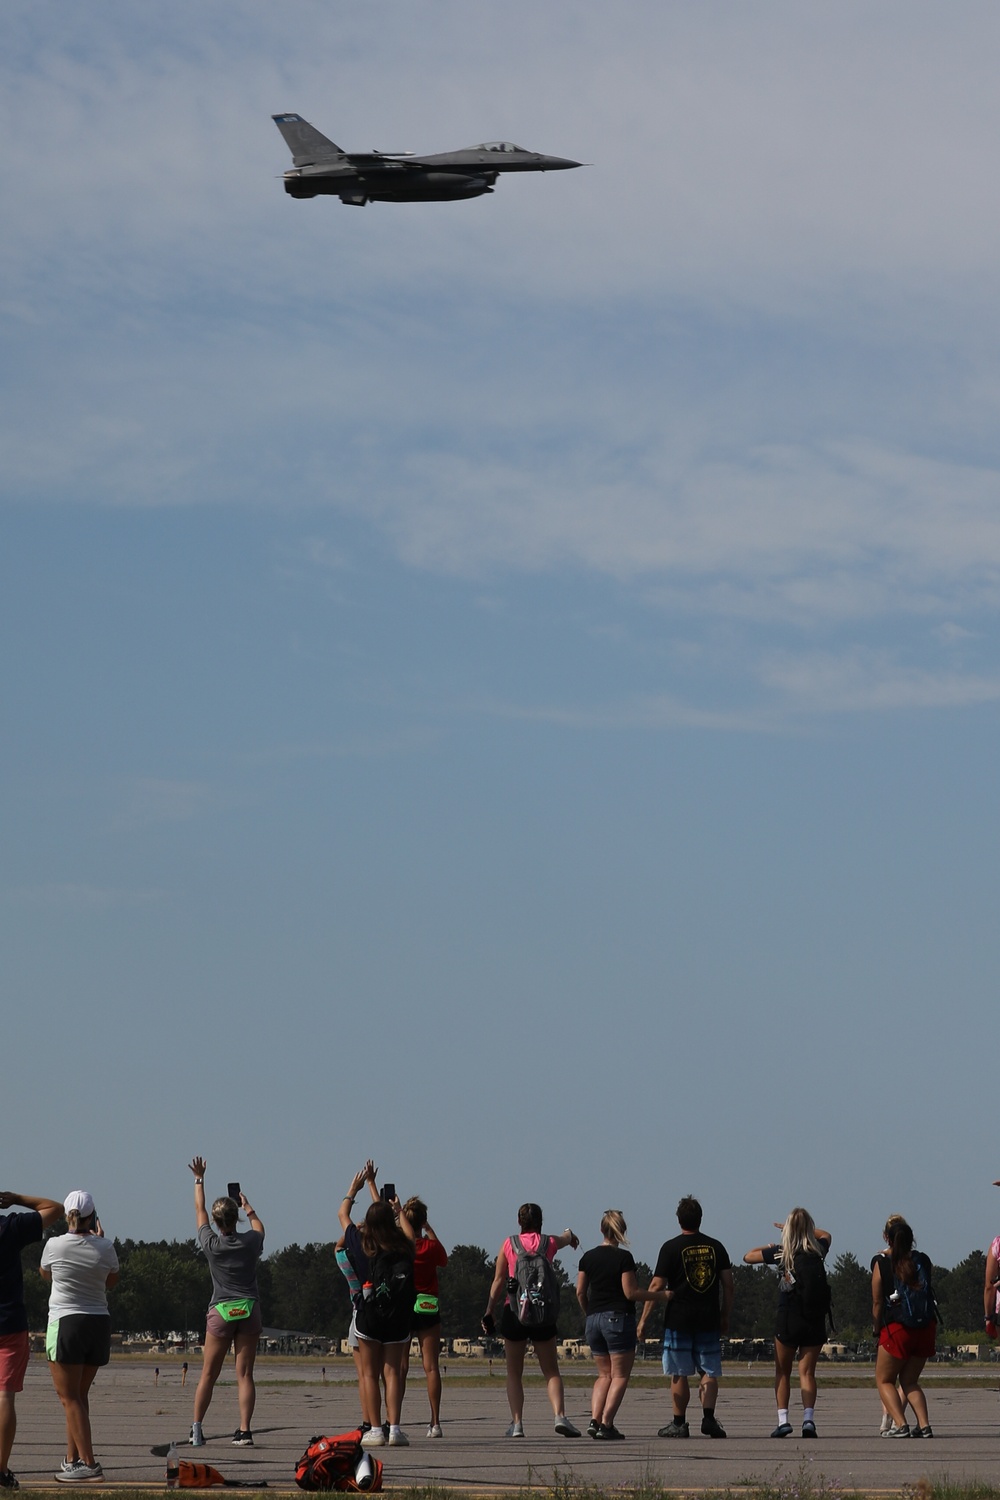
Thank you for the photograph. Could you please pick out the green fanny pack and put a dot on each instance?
(235, 1310)
(425, 1303)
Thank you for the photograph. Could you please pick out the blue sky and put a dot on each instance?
(510, 687)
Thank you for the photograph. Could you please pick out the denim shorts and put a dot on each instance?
(685, 1353)
(611, 1332)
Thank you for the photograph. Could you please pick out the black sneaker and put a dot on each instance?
(609, 1434)
(674, 1430)
(7, 1480)
(593, 1427)
(711, 1428)
(242, 1439)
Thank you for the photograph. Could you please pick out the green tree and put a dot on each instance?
(755, 1298)
(465, 1286)
(959, 1293)
(307, 1291)
(851, 1287)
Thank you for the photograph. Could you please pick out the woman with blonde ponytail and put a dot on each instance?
(607, 1291)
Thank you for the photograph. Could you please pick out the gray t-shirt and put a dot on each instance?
(232, 1260)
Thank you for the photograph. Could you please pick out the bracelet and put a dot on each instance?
(347, 1198)
(199, 1181)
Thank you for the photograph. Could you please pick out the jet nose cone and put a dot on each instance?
(558, 163)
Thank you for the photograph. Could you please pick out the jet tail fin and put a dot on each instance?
(305, 142)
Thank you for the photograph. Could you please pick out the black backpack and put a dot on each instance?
(392, 1294)
(811, 1289)
(533, 1288)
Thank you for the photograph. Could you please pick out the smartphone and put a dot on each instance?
(388, 1192)
(233, 1191)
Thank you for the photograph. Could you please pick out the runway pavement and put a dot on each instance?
(130, 1414)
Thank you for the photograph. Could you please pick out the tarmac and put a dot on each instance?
(130, 1414)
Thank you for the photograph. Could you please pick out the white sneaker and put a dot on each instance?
(434, 1430)
(565, 1428)
(515, 1430)
(82, 1473)
(373, 1438)
(398, 1438)
(197, 1438)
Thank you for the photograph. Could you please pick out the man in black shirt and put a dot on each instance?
(698, 1272)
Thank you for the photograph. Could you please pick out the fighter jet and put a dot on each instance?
(360, 177)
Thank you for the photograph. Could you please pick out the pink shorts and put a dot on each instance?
(13, 1360)
(908, 1343)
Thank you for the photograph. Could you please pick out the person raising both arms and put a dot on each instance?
(234, 1312)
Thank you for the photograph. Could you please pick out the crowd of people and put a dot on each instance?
(391, 1259)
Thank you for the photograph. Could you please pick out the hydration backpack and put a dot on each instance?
(533, 1288)
(329, 1464)
(913, 1306)
(811, 1288)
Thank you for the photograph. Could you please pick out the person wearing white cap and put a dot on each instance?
(16, 1231)
(81, 1265)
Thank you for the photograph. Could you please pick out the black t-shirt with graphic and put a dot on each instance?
(691, 1266)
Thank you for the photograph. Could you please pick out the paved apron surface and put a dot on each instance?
(129, 1414)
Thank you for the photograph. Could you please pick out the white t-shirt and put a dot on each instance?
(80, 1265)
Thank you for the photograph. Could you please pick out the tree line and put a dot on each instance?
(165, 1285)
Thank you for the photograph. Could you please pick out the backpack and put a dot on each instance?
(533, 1288)
(811, 1289)
(391, 1302)
(329, 1464)
(913, 1306)
(197, 1476)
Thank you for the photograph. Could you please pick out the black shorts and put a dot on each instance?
(421, 1322)
(79, 1339)
(511, 1329)
(792, 1330)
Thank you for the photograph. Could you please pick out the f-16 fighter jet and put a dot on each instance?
(360, 177)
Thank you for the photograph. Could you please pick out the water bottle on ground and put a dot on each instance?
(173, 1466)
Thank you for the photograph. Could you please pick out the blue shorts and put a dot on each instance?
(685, 1353)
(611, 1332)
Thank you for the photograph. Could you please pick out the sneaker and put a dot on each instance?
(922, 1432)
(565, 1428)
(899, 1432)
(783, 1429)
(593, 1427)
(197, 1438)
(609, 1434)
(515, 1430)
(434, 1430)
(242, 1439)
(808, 1429)
(398, 1438)
(7, 1480)
(674, 1430)
(82, 1473)
(886, 1425)
(711, 1428)
(69, 1464)
(373, 1438)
